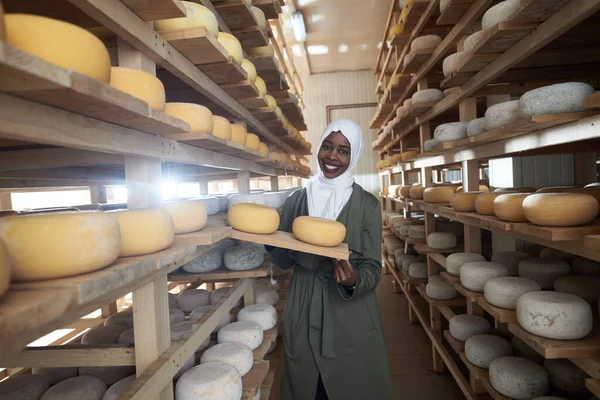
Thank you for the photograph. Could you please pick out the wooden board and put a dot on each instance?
(221, 274)
(470, 295)
(501, 315)
(227, 72)
(211, 234)
(438, 258)
(455, 10)
(236, 14)
(260, 352)
(457, 345)
(559, 233)
(197, 45)
(253, 380)
(457, 301)
(424, 249)
(213, 143)
(241, 90)
(451, 279)
(265, 115)
(271, 8)
(156, 10)
(400, 40)
(251, 37)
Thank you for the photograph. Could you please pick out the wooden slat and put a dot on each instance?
(251, 37)
(413, 61)
(197, 45)
(271, 8)
(154, 10)
(424, 249)
(219, 275)
(213, 143)
(72, 356)
(253, 380)
(211, 234)
(501, 315)
(229, 72)
(236, 14)
(454, 12)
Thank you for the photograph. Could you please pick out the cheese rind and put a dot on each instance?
(210, 381)
(416, 192)
(23, 387)
(260, 17)
(474, 275)
(440, 290)
(481, 350)
(560, 209)
(263, 314)
(144, 231)
(438, 194)
(464, 201)
(139, 84)
(262, 92)
(318, 231)
(509, 207)
(544, 271)
(246, 332)
(206, 262)
(221, 127)
(253, 218)
(232, 45)
(235, 354)
(250, 69)
(502, 114)
(476, 127)
(505, 291)
(441, 240)
(189, 300)
(196, 16)
(484, 203)
(418, 270)
(199, 117)
(566, 97)
(188, 215)
(252, 141)
(518, 378)
(244, 257)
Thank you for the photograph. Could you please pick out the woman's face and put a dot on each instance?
(334, 155)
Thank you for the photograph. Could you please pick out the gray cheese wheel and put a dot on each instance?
(555, 99)
(23, 387)
(115, 390)
(481, 350)
(456, 260)
(248, 333)
(428, 144)
(172, 300)
(510, 259)
(504, 291)
(416, 232)
(244, 257)
(502, 114)
(463, 326)
(441, 241)
(407, 261)
(566, 376)
(438, 289)
(501, 12)
(189, 300)
(476, 127)
(554, 315)
(549, 252)
(585, 267)
(103, 335)
(212, 205)
(108, 375)
(128, 337)
(418, 270)
(206, 262)
(586, 287)
(426, 96)
(55, 375)
(451, 132)
(80, 388)
(543, 270)
(425, 42)
(473, 275)
(518, 378)
(175, 316)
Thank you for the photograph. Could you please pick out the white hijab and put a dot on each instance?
(327, 197)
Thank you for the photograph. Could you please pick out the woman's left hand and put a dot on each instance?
(344, 272)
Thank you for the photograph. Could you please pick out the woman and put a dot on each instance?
(334, 346)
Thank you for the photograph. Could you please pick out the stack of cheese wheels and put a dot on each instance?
(253, 142)
(144, 231)
(238, 134)
(481, 350)
(210, 381)
(232, 46)
(438, 194)
(318, 231)
(95, 235)
(544, 271)
(484, 203)
(464, 201)
(235, 354)
(441, 240)
(188, 215)
(196, 16)
(474, 275)
(139, 84)
(455, 261)
(199, 117)
(509, 207)
(463, 326)
(416, 192)
(221, 128)
(244, 257)
(59, 43)
(246, 332)
(253, 218)
(505, 291)
(560, 209)
(518, 378)
(510, 259)
(264, 315)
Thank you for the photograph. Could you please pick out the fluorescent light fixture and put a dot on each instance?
(343, 48)
(316, 50)
(364, 47)
(296, 50)
(302, 3)
(316, 18)
(298, 26)
(379, 45)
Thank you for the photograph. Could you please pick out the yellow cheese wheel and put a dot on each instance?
(560, 209)
(139, 84)
(262, 92)
(144, 231)
(484, 204)
(250, 69)
(196, 16)
(252, 141)
(396, 30)
(554, 189)
(516, 190)
(253, 218)
(392, 190)
(278, 113)
(409, 155)
(509, 207)
(404, 191)
(5, 270)
(416, 192)
(221, 127)
(199, 117)
(8, 213)
(592, 191)
(464, 201)
(57, 245)
(271, 102)
(263, 149)
(238, 134)
(318, 231)
(188, 216)
(59, 43)
(482, 188)
(260, 17)
(232, 45)
(275, 156)
(440, 194)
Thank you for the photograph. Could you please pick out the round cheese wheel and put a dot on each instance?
(418, 270)
(187, 215)
(250, 69)
(509, 207)
(404, 191)
(199, 117)
(260, 17)
(416, 232)
(144, 231)
(403, 230)
(252, 141)
(456, 260)
(511, 260)
(253, 198)
(59, 43)
(206, 262)
(555, 315)
(52, 375)
(416, 192)
(441, 240)
(263, 149)
(482, 188)
(566, 376)
(481, 350)
(95, 235)
(560, 209)
(392, 190)
(196, 16)
(189, 300)
(425, 42)
(221, 127)
(139, 84)
(516, 190)
(407, 259)
(262, 92)
(266, 295)
(233, 353)
(428, 144)
(108, 375)
(263, 314)
(503, 11)
(451, 132)
(115, 390)
(452, 62)
(271, 102)
(504, 291)
(212, 204)
(80, 387)
(210, 381)
(566, 97)
(502, 114)
(585, 267)
(555, 189)
(473, 275)
(123, 318)
(253, 218)
(395, 30)
(318, 231)
(544, 271)
(463, 201)
(484, 203)
(586, 287)
(232, 46)
(476, 127)
(554, 253)
(175, 316)
(425, 96)
(438, 194)
(436, 278)
(23, 387)
(438, 289)
(463, 326)
(244, 257)
(518, 378)
(472, 40)
(238, 134)
(248, 333)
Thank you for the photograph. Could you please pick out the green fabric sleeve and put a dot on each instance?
(282, 257)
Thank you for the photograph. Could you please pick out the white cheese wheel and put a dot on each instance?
(452, 62)
(509, 207)
(266, 295)
(95, 235)
(116, 389)
(481, 350)
(212, 204)
(189, 364)
(416, 232)
(555, 99)
(428, 144)
(238, 134)
(554, 315)
(583, 266)
(456, 260)
(144, 231)
(103, 335)
(473, 275)
(503, 11)
(416, 192)
(199, 117)
(586, 287)
(425, 42)
(263, 314)
(441, 240)
(206, 262)
(566, 376)
(196, 16)
(484, 203)
(438, 194)
(502, 114)
(472, 40)
(248, 333)
(23, 387)
(139, 84)
(108, 375)
(210, 381)
(221, 127)
(464, 201)
(250, 69)
(505, 291)
(123, 318)
(187, 215)
(59, 43)
(451, 132)
(233, 353)
(232, 45)
(463, 326)
(318, 231)
(79, 387)
(189, 300)
(476, 127)
(418, 270)
(543, 270)
(54, 375)
(244, 257)
(510, 259)
(438, 289)
(253, 198)
(426, 96)
(400, 261)
(560, 209)
(253, 218)
(518, 378)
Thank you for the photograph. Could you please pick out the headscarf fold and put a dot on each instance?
(327, 197)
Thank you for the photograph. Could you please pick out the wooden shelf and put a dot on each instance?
(470, 295)
(251, 37)
(457, 345)
(424, 249)
(271, 8)
(212, 233)
(457, 301)
(455, 10)
(236, 14)
(451, 279)
(252, 381)
(501, 315)
(482, 375)
(413, 60)
(197, 45)
(213, 143)
(221, 274)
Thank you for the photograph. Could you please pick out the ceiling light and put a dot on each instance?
(298, 26)
(343, 48)
(316, 50)
(316, 18)
(379, 45)
(296, 50)
(302, 3)
(364, 47)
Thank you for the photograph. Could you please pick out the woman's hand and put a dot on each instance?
(344, 272)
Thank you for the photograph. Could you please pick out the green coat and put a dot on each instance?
(328, 329)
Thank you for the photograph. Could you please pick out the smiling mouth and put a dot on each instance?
(330, 168)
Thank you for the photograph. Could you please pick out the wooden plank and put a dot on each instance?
(471, 296)
(271, 8)
(454, 12)
(457, 345)
(213, 143)
(501, 315)
(424, 249)
(219, 275)
(154, 10)
(241, 90)
(252, 381)
(197, 45)
(211, 234)
(236, 14)
(224, 72)
(438, 258)
(413, 61)
(251, 36)
(260, 352)
(559, 233)
(72, 356)
(593, 100)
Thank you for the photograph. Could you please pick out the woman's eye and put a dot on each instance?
(344, 152)
(326, 147)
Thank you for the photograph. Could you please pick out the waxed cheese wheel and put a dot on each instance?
(586, 287)
(144, 231)
(463, 326)
(502, 114)
(189, 300)
(543, 270)
(260, 17)
(246, 332)
(438, 194)
(425, 42)
(206, 262)
(404, 191)
(244, 257)
(455, 261)
(481, 188)
(196, 16)
(59, 43)
(235, 354)
(210, 381)
(518, 378)
(221, 127)
(463, 201)
(392, 190)
(266, 295)
(509, 207)
(263, 314)
(199, 117)
(555, 189)
(253, 218)
(560, 209)
(79, 387)
(481, 350)
(232, 46)
(510, 259)
(441, 240)
(505, 291)
(474, 275)
(503, 11)
(23, 387)
(560, 98)
(95, 235)
(484, 203)
(252, 141)
(238, 134)
(262, 92)
(263, 149)
(416, 192)
(139, 84)
(188, 215)
(318, 231)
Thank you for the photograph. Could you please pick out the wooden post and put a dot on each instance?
(203, 183)
(249, 295)
(109, 309)
(5, 201)
(98, 194)
(274, 183)
(243, 178)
